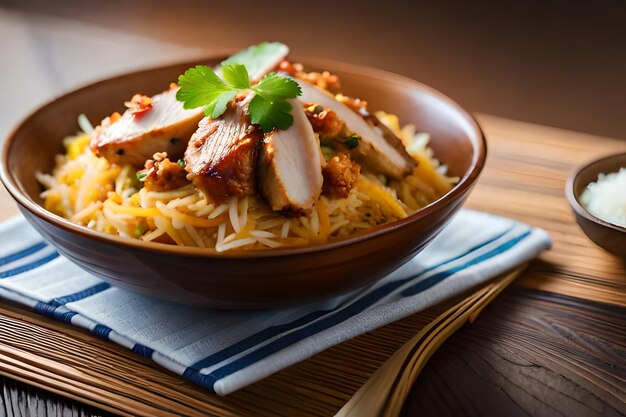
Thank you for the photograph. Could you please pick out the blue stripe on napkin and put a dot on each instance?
(143, 350)
(102, 331)
(54, 311)
(23, 253)
(353, 309)
(357, 306)
(225, 351)
(87, 292)
(29, 266)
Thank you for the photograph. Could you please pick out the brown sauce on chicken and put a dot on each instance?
(222, 155)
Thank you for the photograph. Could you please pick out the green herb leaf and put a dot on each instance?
(277, 86)
(236, 75)
(352, 141)
(141, 175)
(270, 114)
(181, 163)
(200, 86)
(269, 107)
(258, 57)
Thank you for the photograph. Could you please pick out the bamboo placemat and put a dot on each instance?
(76, 364)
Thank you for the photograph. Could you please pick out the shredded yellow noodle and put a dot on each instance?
(102, 196)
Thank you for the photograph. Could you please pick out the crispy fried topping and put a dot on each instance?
(325, 80)
(340, 175)
(332, 131)
(115, 116)
(139, 105)
(325, 122)
(163, 174)
(356, 104)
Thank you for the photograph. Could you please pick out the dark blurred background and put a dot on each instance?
(559, 63)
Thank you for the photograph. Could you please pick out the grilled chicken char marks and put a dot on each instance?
(221, 157)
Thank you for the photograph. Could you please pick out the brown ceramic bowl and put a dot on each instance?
(610, 237)
(243, 280)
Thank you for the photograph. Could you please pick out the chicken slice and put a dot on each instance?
(290, 166)
(221, 156)
(163, 126)
(379, 150)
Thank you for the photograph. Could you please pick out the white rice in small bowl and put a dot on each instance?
(606, 198)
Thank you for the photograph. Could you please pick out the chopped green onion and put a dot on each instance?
(327, 151)
(352, 141)
(141, 175)
(140, 229)
(316, 109)
(181, 163)
(84, 124)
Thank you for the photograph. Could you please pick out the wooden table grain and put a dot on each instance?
(532, 353)
(554, 344)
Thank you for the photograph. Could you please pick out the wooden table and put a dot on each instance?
(553, 344)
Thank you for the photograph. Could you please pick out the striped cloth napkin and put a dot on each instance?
(225, 351)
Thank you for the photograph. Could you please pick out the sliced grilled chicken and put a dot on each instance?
(380, 150)
(221, 156)
(290, 166)
(162, 126)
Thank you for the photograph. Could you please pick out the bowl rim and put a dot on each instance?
(466, 182)
(575, 204)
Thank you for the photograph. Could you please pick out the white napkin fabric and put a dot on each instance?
(224, 351)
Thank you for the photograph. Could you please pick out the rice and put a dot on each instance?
(606, 198)
(95, 193)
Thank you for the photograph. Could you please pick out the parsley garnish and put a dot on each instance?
(181, 163)
(269, 107)
(200, 86)
(352, 141)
